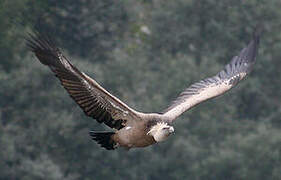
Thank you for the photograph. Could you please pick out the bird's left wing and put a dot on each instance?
(95, 101)
(214, 86)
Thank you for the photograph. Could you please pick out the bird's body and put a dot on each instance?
(133, 128)
(137, 134)
(134, 136)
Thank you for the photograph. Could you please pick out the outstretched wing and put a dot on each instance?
(95, 101)
(214, 86)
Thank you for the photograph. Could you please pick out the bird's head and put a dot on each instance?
(161, 131)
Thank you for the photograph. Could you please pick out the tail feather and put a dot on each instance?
(104, 139)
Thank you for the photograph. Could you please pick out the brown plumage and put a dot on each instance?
(133, 128)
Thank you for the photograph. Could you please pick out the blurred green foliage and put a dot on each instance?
(144, 52)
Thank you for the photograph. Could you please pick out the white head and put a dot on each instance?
(161, 131)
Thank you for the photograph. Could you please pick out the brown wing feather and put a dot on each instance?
(208, 88)
(95, 101)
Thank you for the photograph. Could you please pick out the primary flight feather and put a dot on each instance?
(133, 128)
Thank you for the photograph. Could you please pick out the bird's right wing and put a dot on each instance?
(95, 101)
(214, 86)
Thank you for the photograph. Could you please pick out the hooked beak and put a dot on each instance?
(171, 130)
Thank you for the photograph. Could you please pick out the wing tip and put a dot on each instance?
(249, 53)
(258, 31)
(43, 46)
(39, 40)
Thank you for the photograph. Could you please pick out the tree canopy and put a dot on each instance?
(145, 53)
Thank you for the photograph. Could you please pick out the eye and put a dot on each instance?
(165, 128)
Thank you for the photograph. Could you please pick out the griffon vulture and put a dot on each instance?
(132, 128)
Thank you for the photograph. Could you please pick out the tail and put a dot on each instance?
(104, 139)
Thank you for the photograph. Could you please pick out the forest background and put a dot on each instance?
(145, 52)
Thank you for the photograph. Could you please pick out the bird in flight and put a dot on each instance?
(134, 129)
